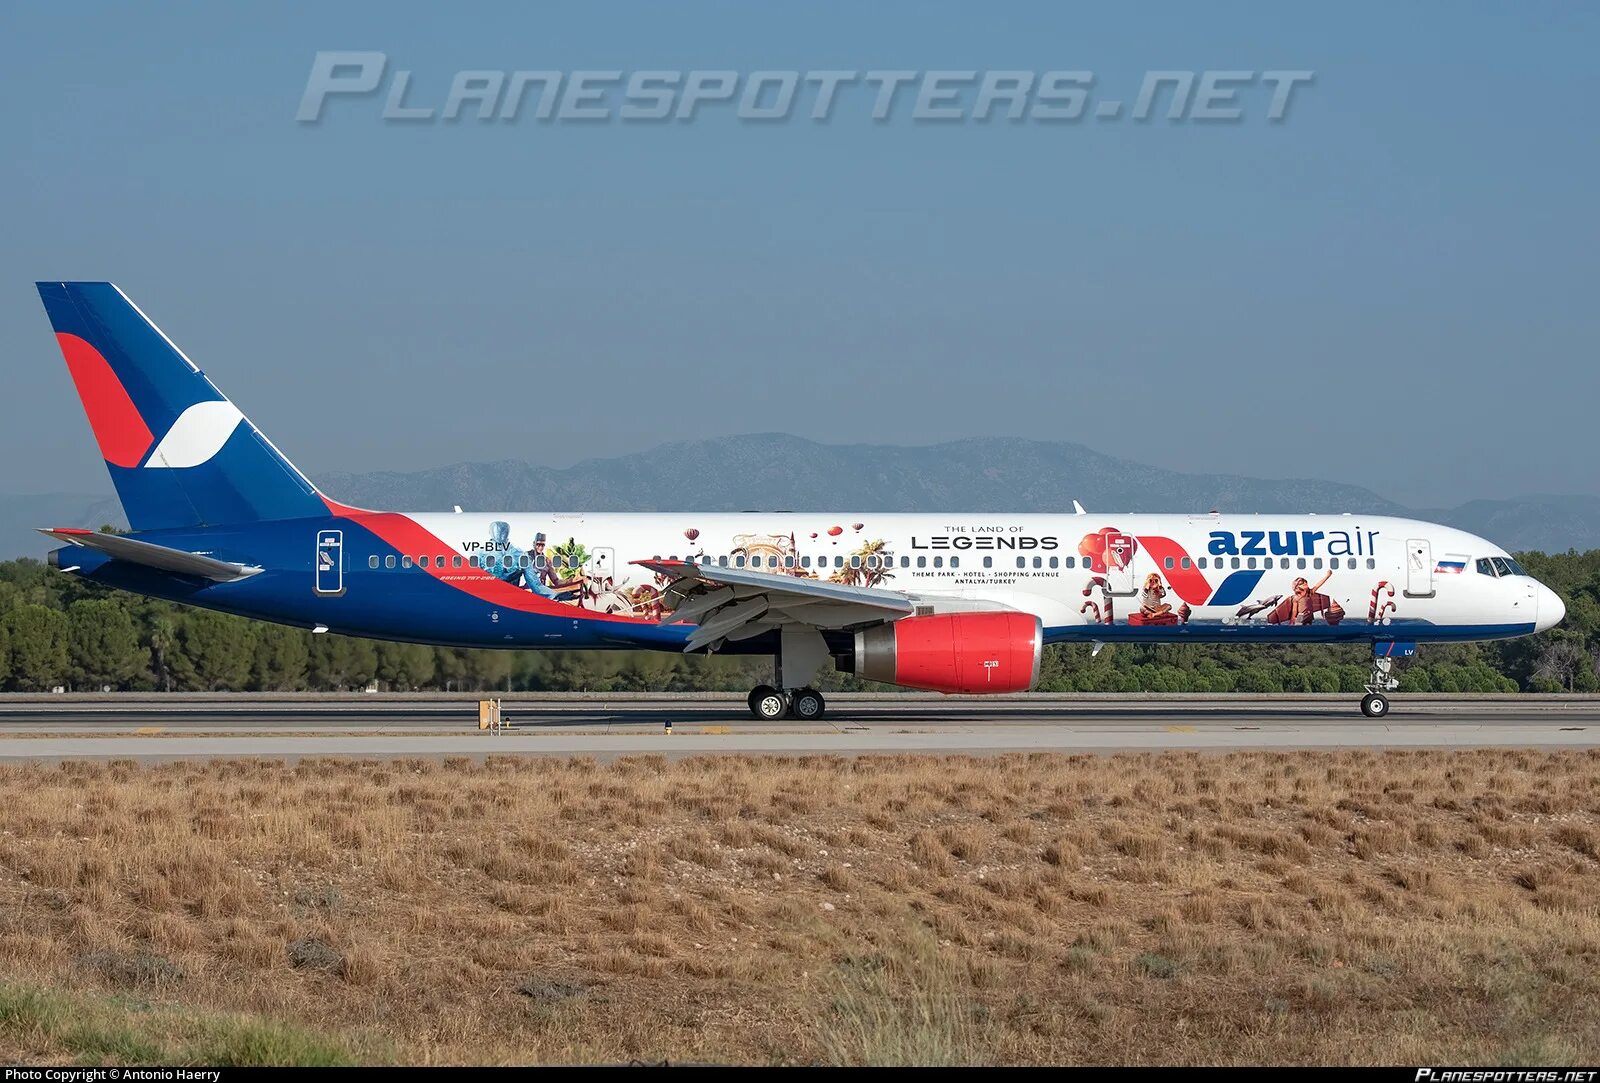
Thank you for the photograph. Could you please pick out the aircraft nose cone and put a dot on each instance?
(1551, 608)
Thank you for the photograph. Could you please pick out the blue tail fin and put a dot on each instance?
(180, 454)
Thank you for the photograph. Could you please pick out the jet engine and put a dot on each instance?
(974, 653)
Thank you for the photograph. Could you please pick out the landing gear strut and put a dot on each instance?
(801, 652)
(1375, 704)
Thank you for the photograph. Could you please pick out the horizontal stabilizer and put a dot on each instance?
(134, 551)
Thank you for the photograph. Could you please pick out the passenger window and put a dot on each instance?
(405, 562)
(388, 561)
(955, 562)
(905, 562)
(423, 562)
(1184, 562)
(1251, 563)
(1038, 562)
(1072, 562)
(372, 561)
(1301, 564)
(1201, 562)
(988, 562)
(1055, 560)
(922, 562)
(722, 561)
(788, 562)
(1235, 562)
(938, 562)
(1371, 563)
(1022, 562)
(455, 562)
(738, 562)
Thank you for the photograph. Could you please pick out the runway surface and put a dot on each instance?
(56, 728)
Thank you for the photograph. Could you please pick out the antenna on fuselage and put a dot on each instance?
(1077, 509)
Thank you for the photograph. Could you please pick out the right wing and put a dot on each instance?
(737, 603)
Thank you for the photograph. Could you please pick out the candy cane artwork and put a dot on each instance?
(1375, 614)
(1101, 617)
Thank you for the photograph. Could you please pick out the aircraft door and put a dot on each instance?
(1121, 554)
(601, 568)
(1419, 568)
(330, 562)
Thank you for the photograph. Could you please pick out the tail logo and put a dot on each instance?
(197, 435)
(193, 440)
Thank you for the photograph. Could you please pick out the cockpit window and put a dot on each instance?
(1499, 567)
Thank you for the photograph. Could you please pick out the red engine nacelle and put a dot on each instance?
(954, 652)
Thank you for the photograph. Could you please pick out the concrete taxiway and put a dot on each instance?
(180, 727)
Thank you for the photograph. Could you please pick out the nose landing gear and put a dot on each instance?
(1375, 704)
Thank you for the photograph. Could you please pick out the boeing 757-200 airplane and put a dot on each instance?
(950, 602)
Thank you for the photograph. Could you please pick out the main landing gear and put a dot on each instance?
(1375, 704)
(801, 652)
(770, 704)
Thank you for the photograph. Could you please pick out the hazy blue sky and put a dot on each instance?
(1394, 286)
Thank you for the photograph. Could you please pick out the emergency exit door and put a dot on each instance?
(1419, 568)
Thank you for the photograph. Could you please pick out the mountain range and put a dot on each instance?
(776, 472)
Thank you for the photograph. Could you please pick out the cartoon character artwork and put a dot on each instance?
(503, 561)
(1108, 550)
(1154, 609)
(556, 573)
(1305, 602)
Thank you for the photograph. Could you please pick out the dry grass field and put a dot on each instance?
(1303, 907)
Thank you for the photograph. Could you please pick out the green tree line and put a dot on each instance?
(60, 631)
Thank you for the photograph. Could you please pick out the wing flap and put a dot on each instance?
(736, 603)
(781, 588)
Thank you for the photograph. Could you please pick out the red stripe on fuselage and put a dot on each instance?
(1189, 584)
(120, 431)
(410, 538)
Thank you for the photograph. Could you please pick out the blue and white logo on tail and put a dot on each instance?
(179, 453)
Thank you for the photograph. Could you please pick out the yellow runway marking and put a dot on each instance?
(148, 731)
(713, 730)
(1182, 729)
